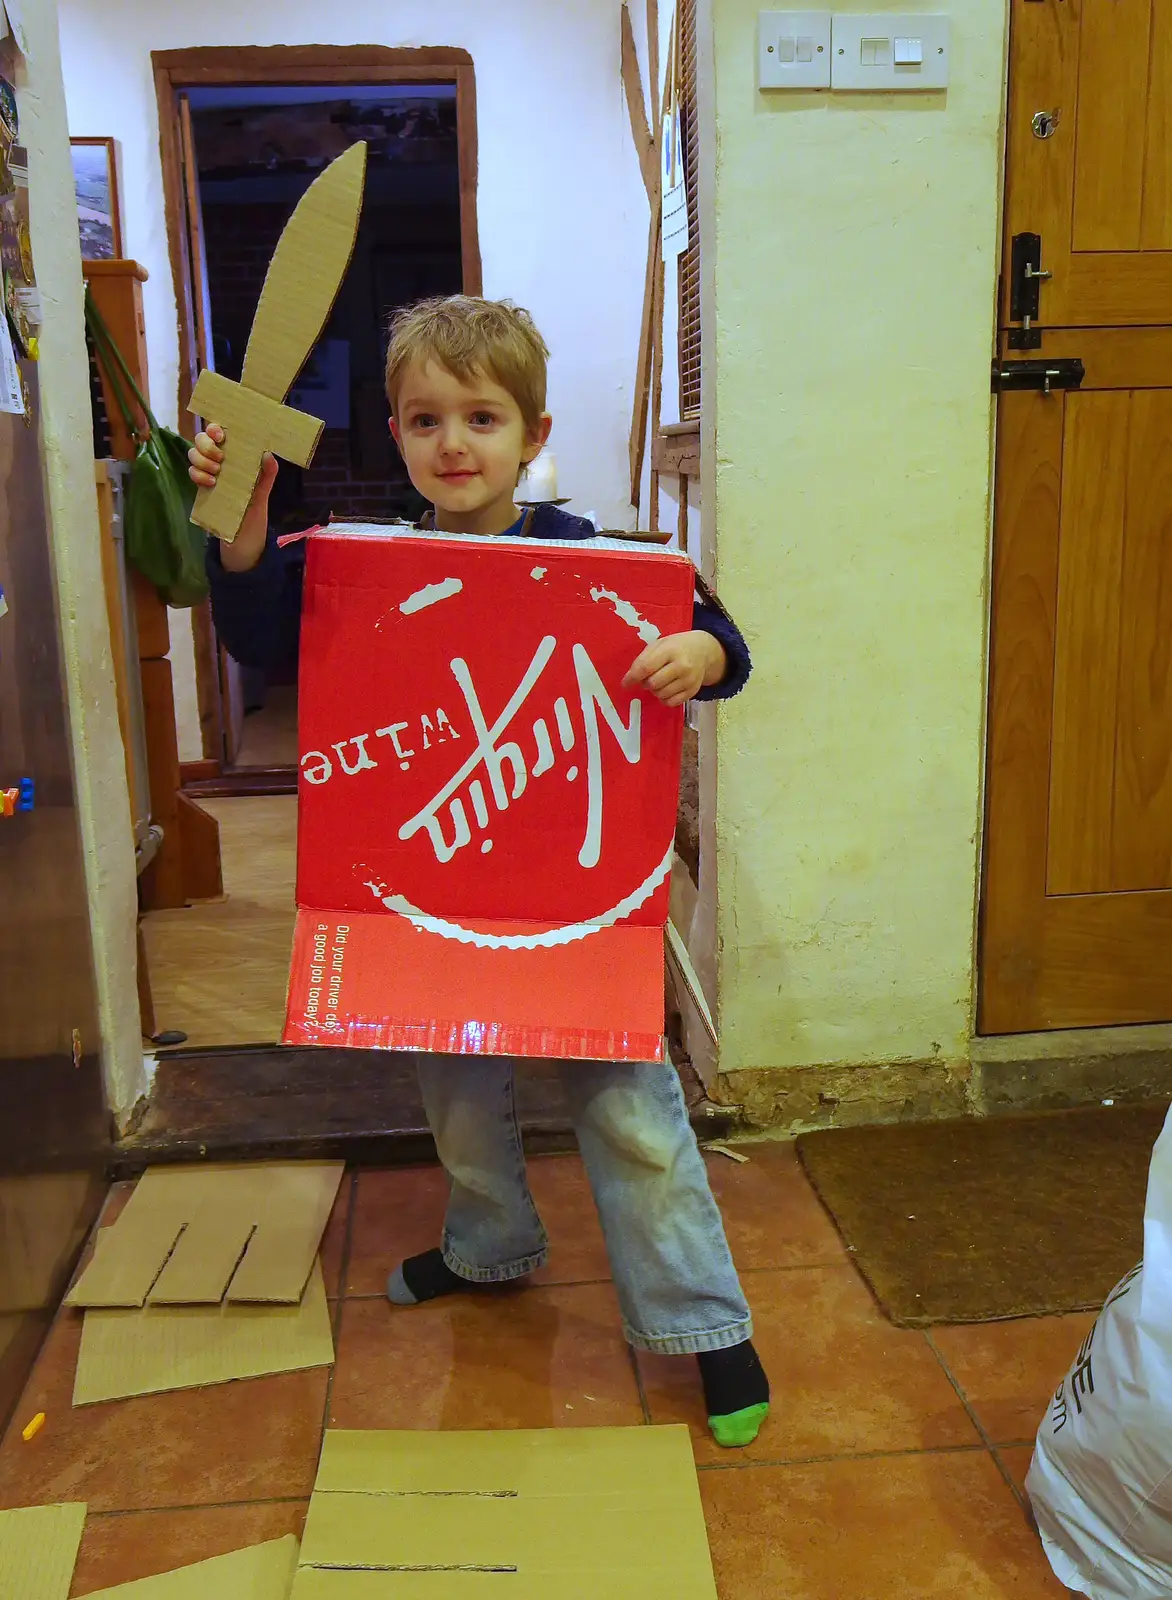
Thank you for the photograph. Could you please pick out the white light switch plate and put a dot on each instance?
(793, 49)
(863, 50)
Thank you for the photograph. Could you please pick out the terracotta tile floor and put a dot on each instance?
(892, 1466)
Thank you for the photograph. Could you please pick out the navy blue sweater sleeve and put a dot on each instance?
(258, 613)
(707, 619)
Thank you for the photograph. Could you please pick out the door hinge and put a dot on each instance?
(1026, 278)
(1041, 377)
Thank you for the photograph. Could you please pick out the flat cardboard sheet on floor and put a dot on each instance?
(263, 1572)
(189, 1347)
(38, 1551)
(517, 1515)
(201, 1234)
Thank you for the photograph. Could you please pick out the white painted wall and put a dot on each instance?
(854, 258)
(561, 205)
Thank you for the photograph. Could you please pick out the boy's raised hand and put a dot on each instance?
(675, 669)
(206, 457)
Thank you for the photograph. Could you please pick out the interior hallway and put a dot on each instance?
(269, 734)
(885, 1470)
(219, 968)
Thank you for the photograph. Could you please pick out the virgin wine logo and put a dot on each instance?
(506, 767)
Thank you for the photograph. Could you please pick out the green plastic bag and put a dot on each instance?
(161, 540)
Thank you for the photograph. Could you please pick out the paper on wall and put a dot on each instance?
(13, 14)
(676, 236)
(12, 401)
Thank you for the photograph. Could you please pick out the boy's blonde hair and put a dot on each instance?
(471, 337)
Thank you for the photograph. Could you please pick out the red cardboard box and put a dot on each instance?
(486, 816)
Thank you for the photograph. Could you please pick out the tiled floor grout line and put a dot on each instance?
(633, 1357)
(584, 1283)
(821, 1461)
(707, 1466)
(214, 1505)
(974, 1419)
(347, 1242)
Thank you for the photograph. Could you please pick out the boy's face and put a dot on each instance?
(464, 444)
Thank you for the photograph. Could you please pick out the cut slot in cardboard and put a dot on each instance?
(160, 1348)
(517, 1515)
(38, 1551)
(486, 814)
(199, 1235)
(263, 1572)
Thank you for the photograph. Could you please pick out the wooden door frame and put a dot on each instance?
(296, 66)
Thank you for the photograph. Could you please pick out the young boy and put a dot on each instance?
(466, 382)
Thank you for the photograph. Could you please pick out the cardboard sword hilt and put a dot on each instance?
(299, 292)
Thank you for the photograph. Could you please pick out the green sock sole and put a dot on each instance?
(739, 1428)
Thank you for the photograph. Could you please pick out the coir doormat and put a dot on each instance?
(990, 1218)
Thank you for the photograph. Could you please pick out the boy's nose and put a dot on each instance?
(451, 438)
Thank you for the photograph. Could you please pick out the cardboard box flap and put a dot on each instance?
(380, 982)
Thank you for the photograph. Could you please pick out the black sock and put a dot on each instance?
(424, 1277)
(733, 1379)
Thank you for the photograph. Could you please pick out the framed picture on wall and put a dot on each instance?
(95, 183)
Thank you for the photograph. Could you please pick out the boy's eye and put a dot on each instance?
(483, 419)
(423, 419)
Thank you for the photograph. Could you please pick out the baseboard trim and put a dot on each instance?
(1034, 1072)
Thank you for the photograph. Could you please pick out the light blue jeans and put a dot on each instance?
(677, 1287)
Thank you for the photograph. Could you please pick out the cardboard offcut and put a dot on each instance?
(300, 288)
(198, 1235)
(518, 1514)
(486, 815)
(161, 1348)
(263, 1572)
(38, 1551)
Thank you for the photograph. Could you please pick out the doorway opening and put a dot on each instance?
(244, 134)
(257, 150)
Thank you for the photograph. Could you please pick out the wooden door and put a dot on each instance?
(1077, 904)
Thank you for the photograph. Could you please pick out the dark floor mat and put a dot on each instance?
(990, 1218)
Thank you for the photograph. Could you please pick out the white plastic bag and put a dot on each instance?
(1101, 1479)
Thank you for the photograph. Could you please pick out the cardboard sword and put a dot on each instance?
(300, 288)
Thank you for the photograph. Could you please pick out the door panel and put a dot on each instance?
(1090, 563)
(1142, 839)
(1111, 768)
(1111, 125)
(1099, 189)
(1076, 919)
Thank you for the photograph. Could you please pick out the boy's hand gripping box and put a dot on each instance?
(486, 816)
